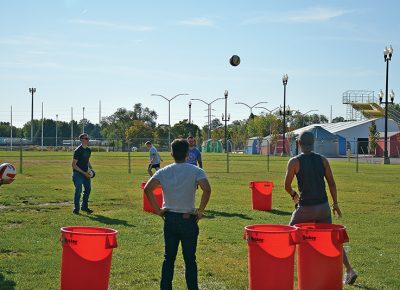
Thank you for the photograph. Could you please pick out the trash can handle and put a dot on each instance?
(111, 244)
(342, 236)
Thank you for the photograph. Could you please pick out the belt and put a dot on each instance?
(183, 215)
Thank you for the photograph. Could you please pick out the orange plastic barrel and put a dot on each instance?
(320, 256)
(261, 192)
(270, 256)
(86, 257)
(158, 194)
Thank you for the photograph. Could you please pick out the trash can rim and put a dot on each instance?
(289, 228)
(110, 231)
(334, 227)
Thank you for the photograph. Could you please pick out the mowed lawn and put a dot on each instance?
(39, 203)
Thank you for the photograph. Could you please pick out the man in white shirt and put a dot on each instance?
(154, 158)
(179, 181)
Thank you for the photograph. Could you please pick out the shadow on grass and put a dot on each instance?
(6, 284)
(280, 212)
(108, 221)
(211, 214)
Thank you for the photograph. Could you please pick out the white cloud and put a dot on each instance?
(140, 28)
(309, 15)
(201, 21)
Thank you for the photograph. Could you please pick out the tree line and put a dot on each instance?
(128, 126)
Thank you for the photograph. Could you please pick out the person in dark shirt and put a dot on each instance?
(312, 204)
(81, 175)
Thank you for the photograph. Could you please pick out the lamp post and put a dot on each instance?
(250, 107)
(209, 112)
(387, 55)
(284, 81)
(56, 130)
(225, 118)
(83, 120)
(169, 114)
(32, 91)
(303, 115)
(386, 159)
(190, 112)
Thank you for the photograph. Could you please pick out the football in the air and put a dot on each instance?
(234, 60)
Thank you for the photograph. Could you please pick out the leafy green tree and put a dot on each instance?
(373, 137)
(116, 126)
(183, 129)
(338, 119)
(139, 129)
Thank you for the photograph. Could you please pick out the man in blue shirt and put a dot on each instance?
(80, 175)
(194, 155)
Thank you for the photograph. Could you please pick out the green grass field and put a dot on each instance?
(39, 203)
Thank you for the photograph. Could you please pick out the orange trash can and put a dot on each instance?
(270, 256)
(86, 257)
(158, 194)
(320, 256)
(261, 192)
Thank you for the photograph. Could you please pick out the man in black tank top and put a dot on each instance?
(311, 170)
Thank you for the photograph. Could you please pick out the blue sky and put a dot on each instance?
(120, 52)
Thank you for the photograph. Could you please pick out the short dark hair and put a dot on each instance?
(190, 137)
(83, 135)
(147, 143)
(180, 149)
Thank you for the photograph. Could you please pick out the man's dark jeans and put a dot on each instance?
(79, 180)
(182, 228)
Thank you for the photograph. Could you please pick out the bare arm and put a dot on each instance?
(75, 167)
(205, 186)
(148, 190)
(332, 186)
(292, 169)
(200, 161)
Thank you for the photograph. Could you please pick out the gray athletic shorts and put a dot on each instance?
(320, 213)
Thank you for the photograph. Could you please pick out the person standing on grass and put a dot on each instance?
(312, 204)
(194, 155)
(154, 158)
(80, 174)
(179, 181)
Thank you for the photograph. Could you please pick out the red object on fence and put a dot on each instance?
(271, 256)
(320, 256)
(262, 194)
(86, 257)
(158, 194)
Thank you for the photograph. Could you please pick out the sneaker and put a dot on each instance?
(86, 209)
(75, 211)
(350, 277)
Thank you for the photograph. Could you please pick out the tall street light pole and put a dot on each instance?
(250, 107)
(190, 112)
(56, 130)
(169, 114)
(284, 81)
(387, 55)
(83, 120)
(225, 118)
(32, 91)
(208, 112)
